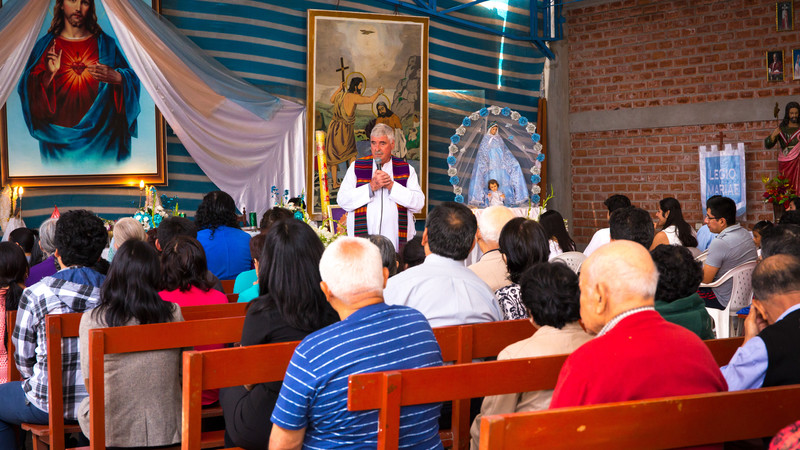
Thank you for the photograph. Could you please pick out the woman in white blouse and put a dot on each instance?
(674, 229)
(556, 232)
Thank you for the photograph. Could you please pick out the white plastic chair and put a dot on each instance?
(741, 296)
(573, 260)
(700, 257)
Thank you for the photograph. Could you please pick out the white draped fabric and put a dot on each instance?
(244, 139)
(20, 21)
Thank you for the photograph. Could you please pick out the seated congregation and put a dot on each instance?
(632, 316)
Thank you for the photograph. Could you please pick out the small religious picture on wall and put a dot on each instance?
(775, 65)
(784, 16)
(796, 64)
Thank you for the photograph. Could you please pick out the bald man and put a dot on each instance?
(491, 268)
(636, 354)
(770, 355)
(372, 336)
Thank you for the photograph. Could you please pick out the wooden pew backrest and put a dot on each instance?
(656, 423)
(139, 338)
(388, 391)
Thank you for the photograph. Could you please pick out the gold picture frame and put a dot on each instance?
(388, 51)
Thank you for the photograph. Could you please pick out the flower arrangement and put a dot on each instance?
(326, 236)
(154, 211)
(779, 191)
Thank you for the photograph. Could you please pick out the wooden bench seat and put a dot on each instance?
(388, 391)
(140, 338)
(654, 423)
(211, 369)
(59, 326)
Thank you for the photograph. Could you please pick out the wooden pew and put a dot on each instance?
(210, 369)
(655, 423)
(61, 326)
(388, 391)
(139, 338)
(189, 313)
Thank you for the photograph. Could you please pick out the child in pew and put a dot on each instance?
(551, 297)
(13, 271)
(291, 306)
(143, 389)
(184, 282)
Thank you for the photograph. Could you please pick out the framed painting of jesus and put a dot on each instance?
(363, 70)
(79, 114)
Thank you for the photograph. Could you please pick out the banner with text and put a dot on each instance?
(722, 173)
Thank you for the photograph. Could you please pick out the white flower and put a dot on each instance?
(457, 190)
(461, 130)
(515, 115)
(530, 127)
(453, 148)
(474, 116)
(536, 169)
(537, 147)
(494, 109)
(536, 189)
(452, 171)
(462, 149)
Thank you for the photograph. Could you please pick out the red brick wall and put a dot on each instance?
(645, 53)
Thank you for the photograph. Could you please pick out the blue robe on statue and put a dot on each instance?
(495, 161)
(103, 134)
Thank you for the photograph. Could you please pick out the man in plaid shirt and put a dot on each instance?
(79, 239)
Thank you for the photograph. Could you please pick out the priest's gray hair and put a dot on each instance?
(381, 130)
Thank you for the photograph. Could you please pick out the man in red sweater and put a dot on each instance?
(636, 354)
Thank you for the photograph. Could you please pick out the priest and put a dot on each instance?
(381, 193)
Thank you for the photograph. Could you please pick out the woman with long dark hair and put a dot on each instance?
(13, 271)
(227, 247)
(291, 306)
(674, 229)
(185, 282)
(148, 384)
(556, 232)
(523, 243)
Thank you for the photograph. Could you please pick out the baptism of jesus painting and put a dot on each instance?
(79, 110)
(365, 69)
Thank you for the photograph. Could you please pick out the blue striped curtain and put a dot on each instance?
(264, 42)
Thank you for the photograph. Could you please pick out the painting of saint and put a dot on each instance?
(775, 65)
(355, 59)
(785, 17)
(78, 94)
(85, 110)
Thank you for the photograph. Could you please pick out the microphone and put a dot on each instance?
(379, 165)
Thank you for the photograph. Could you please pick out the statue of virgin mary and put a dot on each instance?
(494, 161)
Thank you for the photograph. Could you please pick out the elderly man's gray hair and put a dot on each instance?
(352, 266)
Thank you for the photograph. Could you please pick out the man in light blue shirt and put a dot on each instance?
(770, 355)
(441, 288)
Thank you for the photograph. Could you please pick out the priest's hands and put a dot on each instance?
(105, 74)
(381, 179)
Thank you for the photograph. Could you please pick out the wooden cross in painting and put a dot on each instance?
(342, 68)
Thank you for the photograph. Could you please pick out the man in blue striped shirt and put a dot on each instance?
(372, 336)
